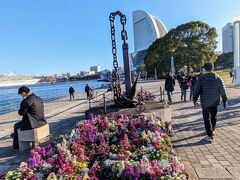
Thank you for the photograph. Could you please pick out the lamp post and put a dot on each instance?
(172, 63)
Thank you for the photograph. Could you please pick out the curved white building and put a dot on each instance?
(146, 28)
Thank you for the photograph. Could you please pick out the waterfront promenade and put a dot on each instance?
(203, 160)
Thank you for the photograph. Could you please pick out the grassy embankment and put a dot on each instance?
(225, 75)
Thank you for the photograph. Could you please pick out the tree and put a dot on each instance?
(191, 44)
(225, 60)
(141, 68)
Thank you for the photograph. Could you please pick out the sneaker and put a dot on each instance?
(210, 138)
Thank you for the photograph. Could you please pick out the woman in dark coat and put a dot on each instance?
(184, 87)
(169, 86)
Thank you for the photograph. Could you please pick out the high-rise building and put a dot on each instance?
(236, 48)
(146, 28)
(227, 38)
(97, 68)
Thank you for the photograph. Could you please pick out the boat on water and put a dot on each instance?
(17, 80)
(105, 76)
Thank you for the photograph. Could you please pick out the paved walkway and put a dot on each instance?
(204, 160)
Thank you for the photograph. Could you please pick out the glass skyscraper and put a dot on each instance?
(146, 28)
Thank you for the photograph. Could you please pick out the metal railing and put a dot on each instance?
(139, 99)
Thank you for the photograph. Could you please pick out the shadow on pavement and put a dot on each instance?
(201, 142)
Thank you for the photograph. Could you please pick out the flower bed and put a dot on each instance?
(113, 147)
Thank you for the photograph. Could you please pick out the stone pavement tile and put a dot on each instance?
(233, 161)
(204, 162)
(197, 151)
(207, 166)
(209, 156)
(235, 172)
(217, 146)
(237, 157)
(213, 161)
(236, 165)
(236, 154)
(228, 156)
(214, 173)
(194, 160)
(184, 158)
(191, 156)
(216, 154)
(220, 158)
(202, 158)
(206, 152)
(199, 154)
(217, 165)
(225, 163)
(196, 165)
(190, 153)
(190, 170)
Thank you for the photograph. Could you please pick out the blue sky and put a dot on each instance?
(56, 36)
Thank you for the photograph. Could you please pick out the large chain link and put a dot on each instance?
(115, 74)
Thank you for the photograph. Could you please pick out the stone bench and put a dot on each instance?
(166, 118)
(34, 137)
(166, 114)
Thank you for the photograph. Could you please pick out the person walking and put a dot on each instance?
(192, 83)
(184, 87)
(210, 87)
(71, 92)
(32, 112)
(88, 91)
(169, 86)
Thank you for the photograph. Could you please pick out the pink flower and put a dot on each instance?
(124, 154)
(144, 165)
(125, 142)
(155, 170)
(80, 151)
(93, 172)
(67, 168)
(50, 160)
(103, 149)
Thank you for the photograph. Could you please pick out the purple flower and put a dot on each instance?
(130, 172)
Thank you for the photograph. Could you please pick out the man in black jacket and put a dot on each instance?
(210, 87)
(169, 86)
(32, 112)
(71, 92)
(88, 91)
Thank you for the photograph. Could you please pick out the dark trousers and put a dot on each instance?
(169, 94)
(71, 96)
(191, 92)
(88, 96)
(183, 94)
(209, 116)
(17, 126)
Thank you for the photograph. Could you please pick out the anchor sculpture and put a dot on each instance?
(123, 101)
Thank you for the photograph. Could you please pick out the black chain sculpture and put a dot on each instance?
(115, 74)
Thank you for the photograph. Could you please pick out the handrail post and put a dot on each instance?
(161, 99)
(104, 103)
(89, 101)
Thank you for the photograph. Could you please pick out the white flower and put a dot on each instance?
(39, 176)
(46, 166)
(163, 163)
